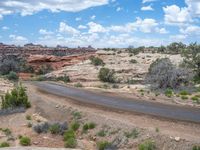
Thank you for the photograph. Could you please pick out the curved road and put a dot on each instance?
(125, 104)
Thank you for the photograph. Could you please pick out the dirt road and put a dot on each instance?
(125, 104)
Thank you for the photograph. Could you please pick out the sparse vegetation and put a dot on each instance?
(169, 93)
(25, 141)
(78, 85)
(184, 97)
(133, 134)
(106, 75)
(12, 76)
(147, 145)
(4, 144)
(70, 139)
(102, 133)
(163, 74)
(28, 117)
(96, 61)
(75, 126)
(133, 61)
(196, 147)
(103, 145)
(16, 98)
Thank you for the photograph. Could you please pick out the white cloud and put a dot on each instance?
(118, 9)
(178, 37)
(64, 28)
(194, 7)
(82, 27)
(28, 7)
(161, 30)
(5, 28)
(16, 39)
(45, 32)
(145, 8)
(92, 17)
(78, 19)
(191, 30)
(147, 1)
(95, 28)
(175, 15)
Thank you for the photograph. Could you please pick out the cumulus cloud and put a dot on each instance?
(96, 28)
(5, 28)
(92, 17)
(82, 27)
(194, 7)
(28, 7)
(118, 9)
(146, 8)
(175, 15)
(16, 39)
(191, 30)
(64, 28)
(45, 32)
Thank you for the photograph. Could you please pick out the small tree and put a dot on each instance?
(192, 58)
(96, 61)
(165, 75)
(106, 75)
(16, 98)
(13, 76)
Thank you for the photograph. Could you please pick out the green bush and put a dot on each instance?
(12, 76)
(102, 145)
(184, 93)
(147, 145)
(16, 98)
(54, 129)
(76, 115)
(70, 143)
(75, 126)
(69, 134)
(183, 97)
(4, 144)
(106, 75)
(25, 141)
(6, 131)
(195, 98)
(96, 61)
(91, 125)
(169, 93)
(196, 147)
(85, 127)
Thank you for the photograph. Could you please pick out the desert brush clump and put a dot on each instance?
(147, 145)
(106, 75)
(70, 139)
(163, 74)
(16, 98)
(96, 61)
(25, 141)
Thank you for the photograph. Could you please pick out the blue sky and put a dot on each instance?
(100, 23)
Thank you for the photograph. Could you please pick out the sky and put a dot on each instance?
(99, 23)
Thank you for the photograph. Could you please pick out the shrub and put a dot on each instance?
(106, 75)
(85, 127)
(70, 143)
(25, 141)
(115, 86)
(184, 93)
(16, 98)
(163, 74)
(28, 117)
(133, 61)
(29, 125)
(12, 76)
(195, 98)
(76, 115)
(103, 145)
(4, 144)
(54, 129)
(64, 78)
(169, 93)
(44, 69)
(6, 131)
(101, 133)
(147, 145)
(91, 125)
(78, 85)
(75, 126)
(69, 134)
(183, 97)
(133, 134)
(96, 61)
(41, 128)
(196, 147)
